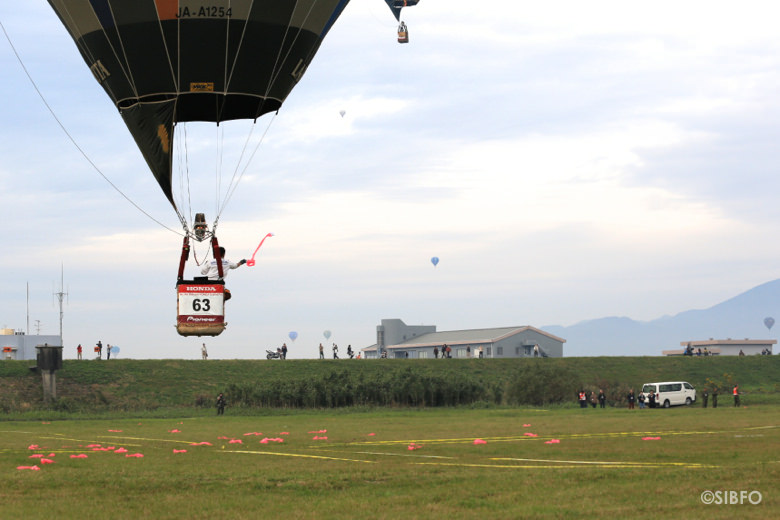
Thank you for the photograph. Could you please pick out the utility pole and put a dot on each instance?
(60, 295)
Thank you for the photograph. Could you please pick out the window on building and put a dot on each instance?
(499, 351)
(422, 354)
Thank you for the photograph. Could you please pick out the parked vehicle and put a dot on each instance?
(273, 354)
(671, 393)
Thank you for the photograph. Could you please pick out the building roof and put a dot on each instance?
(468, 337)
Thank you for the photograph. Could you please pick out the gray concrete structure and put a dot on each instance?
(398, 340)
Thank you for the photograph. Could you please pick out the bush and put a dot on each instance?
(539, 383)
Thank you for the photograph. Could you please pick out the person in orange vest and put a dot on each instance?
(736, 395)
(583, 398)
(78, 350)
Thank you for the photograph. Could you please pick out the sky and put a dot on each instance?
(565, 160)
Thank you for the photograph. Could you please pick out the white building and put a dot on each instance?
(726, 347)
(18, 345)
(400, 341)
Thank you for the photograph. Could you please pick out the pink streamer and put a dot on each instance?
(480, 441)
(251, 261)
(36, 456)
(34, 468)
(179, 451)
(47, 461)
(651, 438)
(316, 438)
(235, 441)
(32, 447)
(528, 434)
(553, 441)
(121, 450)
(79, 456)
(136, 455)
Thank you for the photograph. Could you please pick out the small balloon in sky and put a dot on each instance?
(342, 112)
(768, 322)
(114, 350)
(292, 335)
(326, 334)
(435, 261)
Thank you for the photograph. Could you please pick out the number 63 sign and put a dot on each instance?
(201, 309)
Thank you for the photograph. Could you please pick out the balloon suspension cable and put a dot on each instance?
(73, 140)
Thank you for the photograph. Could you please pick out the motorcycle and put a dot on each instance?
(272, 354)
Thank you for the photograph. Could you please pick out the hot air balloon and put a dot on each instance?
(435, 261)
(342, 113)
(292, 335)
(326, 334)
(768, 322)
(168, 62)
(396, 6)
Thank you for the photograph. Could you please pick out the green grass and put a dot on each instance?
(601, 468)
(141, 386)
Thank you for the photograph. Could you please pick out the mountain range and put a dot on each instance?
(736, 318)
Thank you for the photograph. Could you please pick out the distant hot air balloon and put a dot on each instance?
(293, 335)
(435, 261)
(326, 334)
(768, 322)
(342, 112)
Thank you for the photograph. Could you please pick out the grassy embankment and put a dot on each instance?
(189, 386)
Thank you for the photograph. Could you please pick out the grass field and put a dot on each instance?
(602, 467)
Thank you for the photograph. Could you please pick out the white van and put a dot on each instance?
(671, 393)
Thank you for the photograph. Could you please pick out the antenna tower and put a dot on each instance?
(60, 296)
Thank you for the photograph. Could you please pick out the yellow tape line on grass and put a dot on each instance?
(297, 455)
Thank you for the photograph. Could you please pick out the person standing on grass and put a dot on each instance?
(651, 399)
(436, 352)
(735, 391)
(706, 396)
(583, 399)
(631, 399)
(602, 398)
(220, 404)
(78, 351)
(335, 351)
(108, 351)
(715, 397)
(203, 352)
(322, 351)
(641, 399)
